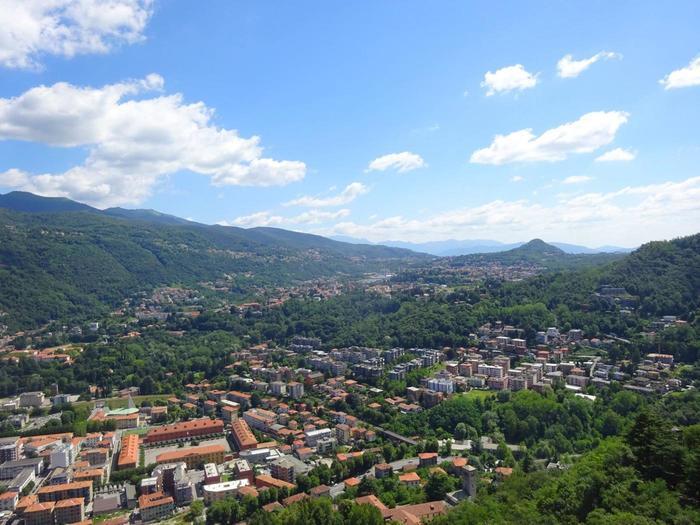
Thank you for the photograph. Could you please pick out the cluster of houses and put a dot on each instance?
(53, 478)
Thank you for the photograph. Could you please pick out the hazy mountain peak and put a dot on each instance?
(539, 246)
(30, 203)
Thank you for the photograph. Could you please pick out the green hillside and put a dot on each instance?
(536, 253)
(70, 260)
(664, 276)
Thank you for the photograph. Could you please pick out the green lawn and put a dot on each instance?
(105, 517)
(480, 394)
(140, 431)
(122, 402)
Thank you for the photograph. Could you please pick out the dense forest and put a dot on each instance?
(663, 276)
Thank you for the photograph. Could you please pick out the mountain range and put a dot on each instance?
(454, 247)
(60, 259)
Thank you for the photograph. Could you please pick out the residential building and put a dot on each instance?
(77, 489)
(62, 456)
(22, 480)
(283, 469)
(490, 370)
(96, 475)
(313, 436)
(342, 433)
(278, 388)
(295, 390)
(326, 445)
(31, 399)
(218, 491)
(243, 437)
(96, 456)
(268, 481)
(260, 419)
(383, 470)
(129, 453)
(211, 474)
(439, 384)
(9, 449)
(427, 459)
(10, 469)
(69, 511)
(410, 478)
(194, 457)
(156, 506)
(228, 414)
(39, 514)
(184, 431)
(8, 501)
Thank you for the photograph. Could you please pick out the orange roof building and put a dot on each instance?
(184, 431)
(270, 482)
(69, 510)
(410, 478)
(77, 489)
(156, 506)
(25, 502)
(8, 500)
(96, 475)
(194, 456)
(242, 435)
(39, 513)
(129, 453)
(351, 482)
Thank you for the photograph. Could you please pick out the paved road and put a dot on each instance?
(338, 488)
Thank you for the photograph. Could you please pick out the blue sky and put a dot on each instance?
(374, 119)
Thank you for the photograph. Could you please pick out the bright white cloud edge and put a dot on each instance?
(507, 79)
(401, 162)
(567, 67)
(132, 142)
(628, 216)
(576, 179)
(267, 218)
(349, 194)
(585, 135)
(32, 29)
(688, 76)
(617, 155)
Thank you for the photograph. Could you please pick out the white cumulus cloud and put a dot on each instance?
(349, 194)
(576, 179)
(567, 67)
(402, 162)
(616, 155)
(508, 79)
(132, 142)
(30, 29)
(684, 77)
(627, 217)
(267, 218)
(589, 133)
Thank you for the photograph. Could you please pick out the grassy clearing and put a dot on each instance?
(479, 394)
(122, 402)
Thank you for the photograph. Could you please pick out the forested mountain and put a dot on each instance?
(664, 276)
(59, 258)
(536, 253)
(30, 203)
(453, 247)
